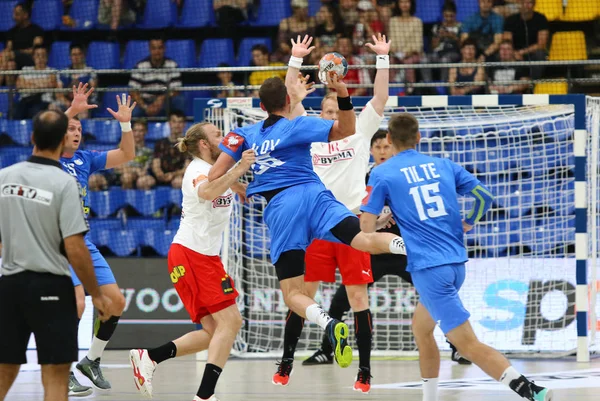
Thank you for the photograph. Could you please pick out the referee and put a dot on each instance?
(41, 226)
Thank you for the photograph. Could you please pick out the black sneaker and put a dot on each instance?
(319, 358)
(457, 357)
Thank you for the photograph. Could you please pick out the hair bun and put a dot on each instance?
(181, 145)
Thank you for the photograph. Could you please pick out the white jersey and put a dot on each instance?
(202, 221)
(343, 165)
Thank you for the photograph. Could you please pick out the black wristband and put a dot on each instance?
(345, 103)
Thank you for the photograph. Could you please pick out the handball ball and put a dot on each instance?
(332, 62)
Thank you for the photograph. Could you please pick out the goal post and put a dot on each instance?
(528, 286)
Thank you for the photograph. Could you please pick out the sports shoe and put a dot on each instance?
(363, 381)
(319, 358)
(539, 393)
(76, 389)
(212, 398)
(338, 335)
(91, 370)
(284, 371)
(397, 246)
(457, 357)
(143, 371)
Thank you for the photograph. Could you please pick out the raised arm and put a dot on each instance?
(223, 164)
(483, 201)
(209, 190)
(126, 150)
(80, 104)
(300, 49)
(381, 47)
(346, 123)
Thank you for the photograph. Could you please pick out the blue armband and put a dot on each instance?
(483, 201)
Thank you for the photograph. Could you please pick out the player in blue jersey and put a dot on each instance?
(81, 164)
(299, 207)
(422, 194)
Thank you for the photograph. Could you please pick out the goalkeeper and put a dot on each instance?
(422, 193)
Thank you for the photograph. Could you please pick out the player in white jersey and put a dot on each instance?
(196, 270)
(342, 166)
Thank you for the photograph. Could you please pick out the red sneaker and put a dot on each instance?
(363, 381)
(284, 371)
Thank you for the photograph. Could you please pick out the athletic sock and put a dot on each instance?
(209, 381)
(363, 330)
(104, 331)
(293, 329)
(430, 389)
(316, 314)
(516, 381)
(164, 352)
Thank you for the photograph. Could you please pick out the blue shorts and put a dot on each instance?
(300, 214)
(103, 273)
(438, 292)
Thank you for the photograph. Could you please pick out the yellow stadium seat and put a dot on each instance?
(568, 46)
(551, 88)
(581, 10)
(552, 9)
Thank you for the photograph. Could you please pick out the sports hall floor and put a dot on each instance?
(393, 380)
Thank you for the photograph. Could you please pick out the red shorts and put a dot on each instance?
(323, 257)
(201, 282)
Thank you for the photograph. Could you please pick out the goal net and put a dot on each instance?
(521, 279)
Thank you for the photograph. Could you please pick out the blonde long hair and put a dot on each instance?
(189, 143)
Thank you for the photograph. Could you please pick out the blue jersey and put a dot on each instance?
(83, 164)
(421, 192)
(282, 149)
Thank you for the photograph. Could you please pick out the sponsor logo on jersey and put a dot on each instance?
(233, 141)
(28, 193)
(327, 160)
(176, 273)
(79, 162)
(223, 201)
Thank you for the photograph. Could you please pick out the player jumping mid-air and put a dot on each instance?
(196, 270)
(299, 207)
(81, 164)
(422, 194)
(341, 165)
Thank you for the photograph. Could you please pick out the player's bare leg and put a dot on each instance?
(294, 324)
(423, 327)
(358, 297)
(76, 389)
(377, 243)
(8, 374)
(89, 366)
(54, 379)
(494, 363)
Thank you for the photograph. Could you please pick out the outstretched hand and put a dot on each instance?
(335, 83)
(301, 47)
(79, 104)
(380, 45)
(123, 115)
(300, 89)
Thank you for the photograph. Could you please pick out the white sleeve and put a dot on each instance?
(368, 121)
(192, 180)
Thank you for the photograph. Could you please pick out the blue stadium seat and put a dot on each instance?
(105, 203)
(216, 51)
(494, 159)
(495, 237)
(88, 126)
(47, 14)
(20, 131)
(105, 224)
(160, 241)
(123, 242)
(313, 7)
(143, 223)
(4, 103)
(429, 11)
(84, 13)
(108, 100)
(466, 8)
(182, 51)
(244, 54)
(135, 51)
(59, 55)
(103, 55)
(157, 131)
(174, 223)
(159, 14)
(176, 197)
(107, 131)
(430, 147)
(550, 236)
(98, 147)
(189, 99)
(147, 202)
(196, 14)
(6, 15)
(6, 158)
(271, 12)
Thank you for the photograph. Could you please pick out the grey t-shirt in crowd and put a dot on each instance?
(40, 205)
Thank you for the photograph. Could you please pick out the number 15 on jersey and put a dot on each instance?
(428, 202)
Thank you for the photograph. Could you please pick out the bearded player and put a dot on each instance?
(81, 164)
(196, 270)
(341, 165)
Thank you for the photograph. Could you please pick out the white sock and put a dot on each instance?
(397, 246)
(96, 349)
(430, 389)
(315, 314)
(509, 375)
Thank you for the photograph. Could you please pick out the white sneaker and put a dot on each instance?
(143, 371)
(212, 398)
